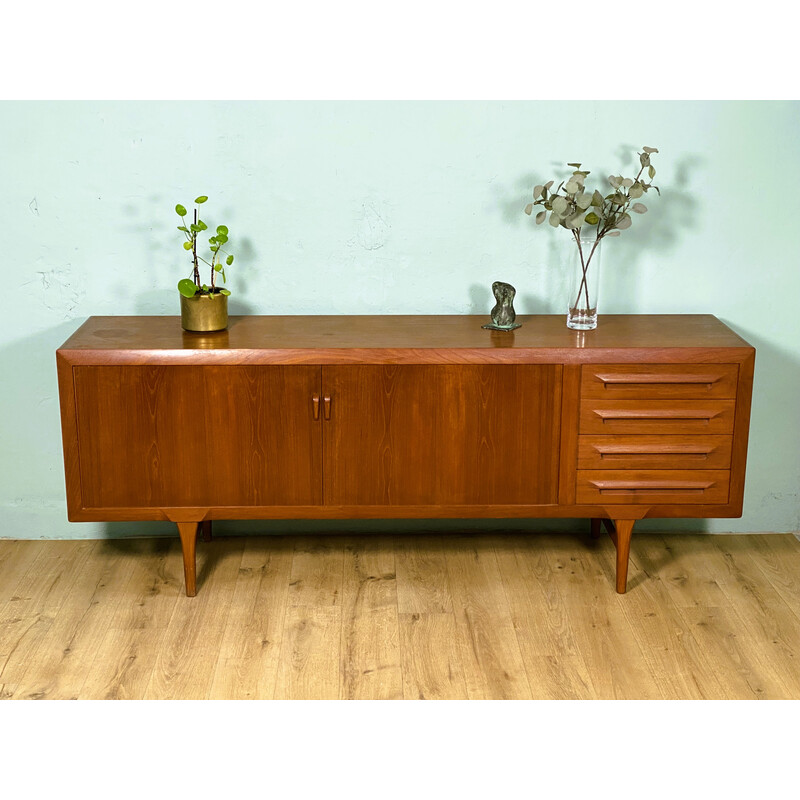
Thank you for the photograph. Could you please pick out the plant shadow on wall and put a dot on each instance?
(671, 213)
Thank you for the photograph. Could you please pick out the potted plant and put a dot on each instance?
(574, 207)
(204, 306)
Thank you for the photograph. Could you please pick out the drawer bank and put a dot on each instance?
(404, 417)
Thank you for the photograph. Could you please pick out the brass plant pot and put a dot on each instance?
(204, 312)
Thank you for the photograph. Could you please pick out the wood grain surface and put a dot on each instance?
(443, 435)
(461, 616)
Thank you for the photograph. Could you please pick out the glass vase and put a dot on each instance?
(584, 277)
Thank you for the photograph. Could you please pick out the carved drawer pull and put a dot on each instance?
(690, 451)
(666, 414)
(651, 486)
(315, 405)
(653, 378)
(326, 404)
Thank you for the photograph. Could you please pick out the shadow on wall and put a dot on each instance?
(669, 215)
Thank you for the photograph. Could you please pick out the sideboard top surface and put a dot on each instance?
(334, 339)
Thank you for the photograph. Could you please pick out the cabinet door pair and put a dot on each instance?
(236, 436)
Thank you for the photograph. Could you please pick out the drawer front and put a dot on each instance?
(657, 487)
(688, 381)
(654, 452)
(656, 416)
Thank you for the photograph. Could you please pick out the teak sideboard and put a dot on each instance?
(404, 417)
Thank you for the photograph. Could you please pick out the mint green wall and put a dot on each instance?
(387, 207)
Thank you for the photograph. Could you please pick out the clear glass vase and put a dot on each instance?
(584, 277)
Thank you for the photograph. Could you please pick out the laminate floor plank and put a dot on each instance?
(602, 633)
(773, 623)
(59, 669)
(125, 658)
(678, 561)
(744, 669)
(422, 583)
(489, 649)
(500, 615)
(247, 667)
(777, 556)
(317, 571)
(676, 661)
(310, 657)
(187, 660)
(370, 649)
(39, 595)
(531, 568)
(431, 660)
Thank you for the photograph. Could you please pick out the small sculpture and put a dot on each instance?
(503, 314)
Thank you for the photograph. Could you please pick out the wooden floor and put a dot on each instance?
(515, 616)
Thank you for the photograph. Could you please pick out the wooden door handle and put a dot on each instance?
(326, 404)
(315, 405)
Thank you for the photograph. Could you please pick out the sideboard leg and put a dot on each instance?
(622, 541)
(188, 533)
(205, 527)
(595, 530)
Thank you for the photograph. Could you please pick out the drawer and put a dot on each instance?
(654, 452)
(688, 381)
(654, 486)
(656, 416)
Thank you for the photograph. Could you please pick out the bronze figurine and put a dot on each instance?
(503, 314)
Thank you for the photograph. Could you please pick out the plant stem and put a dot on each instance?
(194, 253)
(584, 285)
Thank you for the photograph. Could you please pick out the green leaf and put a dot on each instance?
(592, 218)
(214, 248)
(537, 190)
(218, 267)
(201, 199)
(187, 287)
(181, 210)
(221, 238)
(627, 182)
(540, 217)
(203, 226)
(577, 166)
(187, 245)
(583, 201)
(613, 233)
(560, 205)
(554, 220)
(229, 260)
(652, 173)
(529, 209)
(183, 228)
(204, 287)
(650, 149)
(226, 292)
(639, 208)
(548, 184)
(597, 199)
(195, 228)
(644, 159)
(636, 190)
(222, 229)
(572, 186)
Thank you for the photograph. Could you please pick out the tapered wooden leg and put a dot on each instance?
(188, 533)
(595, 530)
(205, 527)
(622, 540)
